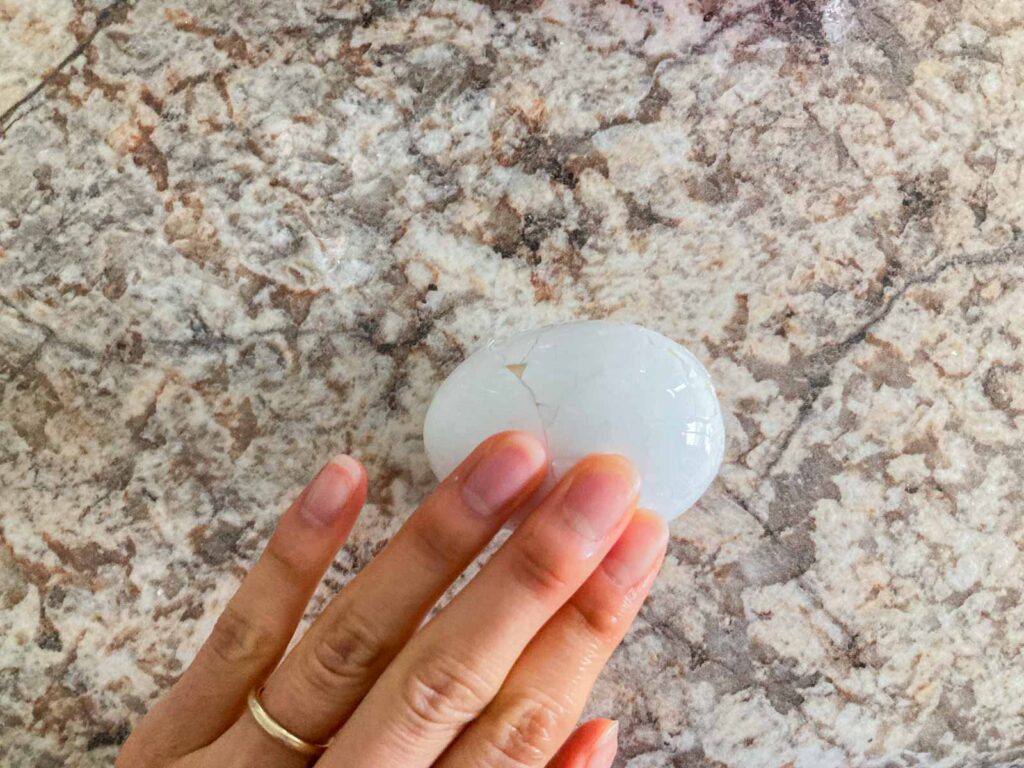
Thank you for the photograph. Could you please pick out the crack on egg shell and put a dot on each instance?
(552, 410)
(642, 397)
(545, 415)
(517, 370)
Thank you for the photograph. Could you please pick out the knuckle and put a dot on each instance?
(603, 622)
(287, 566)
(237, 639)
(527, 732)
(443, 692)
(539, 571)
(433, 541)
(348, 652)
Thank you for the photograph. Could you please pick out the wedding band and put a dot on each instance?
(277, 731)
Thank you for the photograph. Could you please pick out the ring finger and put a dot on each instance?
(258, 622)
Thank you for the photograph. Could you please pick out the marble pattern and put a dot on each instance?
(237, 237)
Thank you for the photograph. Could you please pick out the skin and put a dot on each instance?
(496, 679)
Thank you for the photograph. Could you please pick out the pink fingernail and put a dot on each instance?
(326, 496)
(637, 550)
(605, 749)
(596, 501)
(502, 475)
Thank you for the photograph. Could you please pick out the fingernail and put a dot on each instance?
(605, 749)
(326, 496)
(597, 500)
(637, 550)
(502, 475)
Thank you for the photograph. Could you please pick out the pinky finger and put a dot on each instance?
(592, 745)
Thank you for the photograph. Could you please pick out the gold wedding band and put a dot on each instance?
(277, 731)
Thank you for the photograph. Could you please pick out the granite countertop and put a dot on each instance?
(238, 237)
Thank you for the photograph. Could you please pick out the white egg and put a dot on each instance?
(586, 387)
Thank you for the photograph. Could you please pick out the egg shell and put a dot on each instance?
(586, 387)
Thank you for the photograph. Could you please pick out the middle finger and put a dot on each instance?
(452, 668)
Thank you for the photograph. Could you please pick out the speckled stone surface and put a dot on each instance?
(238, 237)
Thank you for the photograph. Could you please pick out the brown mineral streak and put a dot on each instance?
(236, 240)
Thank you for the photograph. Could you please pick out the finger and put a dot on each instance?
(548, 688)
(592, 745)
(329, 672)
(258, 622)
(450, 670)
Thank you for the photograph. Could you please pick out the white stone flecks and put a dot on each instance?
(237, 238)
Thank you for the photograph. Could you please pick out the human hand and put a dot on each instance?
(496, 679)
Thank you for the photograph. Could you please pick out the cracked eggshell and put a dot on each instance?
(586, 387)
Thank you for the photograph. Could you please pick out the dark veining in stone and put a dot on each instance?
(235, 243)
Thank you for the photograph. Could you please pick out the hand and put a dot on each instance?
(496, 679)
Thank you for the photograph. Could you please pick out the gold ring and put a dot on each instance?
(277, 731)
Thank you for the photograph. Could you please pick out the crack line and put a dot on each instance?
(103, 19)
(831, 356)
(1003, 255)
